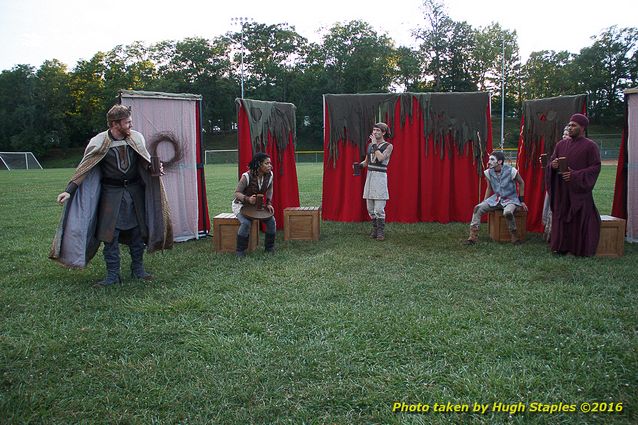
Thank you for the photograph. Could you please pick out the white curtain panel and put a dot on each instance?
(632, 168)
(152, 115)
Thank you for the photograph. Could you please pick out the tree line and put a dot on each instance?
(57, 107)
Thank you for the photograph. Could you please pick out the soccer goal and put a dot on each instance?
(221, 156)
(18, 161)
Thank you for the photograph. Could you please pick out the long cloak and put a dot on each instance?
(75, 242)
(575, 219)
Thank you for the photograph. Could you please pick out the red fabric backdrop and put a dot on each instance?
(285, 190)
(423, 188)
(534, 177)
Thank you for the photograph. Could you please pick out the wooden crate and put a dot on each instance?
(225, 226)
(302, 223)
(612, 237)
(497, 225)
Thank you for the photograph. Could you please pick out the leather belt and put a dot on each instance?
(120, 183)
(379, 169)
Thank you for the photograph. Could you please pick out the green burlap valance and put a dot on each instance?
(546, 119)
(457, 117)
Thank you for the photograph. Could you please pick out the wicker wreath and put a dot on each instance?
(166, 136)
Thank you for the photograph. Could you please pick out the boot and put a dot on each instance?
(269, 245)
(473, 238)
(375, 227)
(514, 236)
(381, 229)
(112, 259)
(242, 245)
(136, 249)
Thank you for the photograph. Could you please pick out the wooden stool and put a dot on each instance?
(225, 226)
(302, 223)
(612, 237)
(497, 225)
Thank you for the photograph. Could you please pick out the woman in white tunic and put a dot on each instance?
(375, 191)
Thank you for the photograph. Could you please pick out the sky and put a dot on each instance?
(32, 31)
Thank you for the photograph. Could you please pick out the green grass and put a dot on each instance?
(331, 332)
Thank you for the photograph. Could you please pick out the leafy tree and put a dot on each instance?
(604, 69)
(273, 54)
(548, 73)
(356, 59)
(489, 65)
(434, 39)
(89, 98)
(198, 66)
(53, 103)
(129, 68)
(407, 65)
(17, 109)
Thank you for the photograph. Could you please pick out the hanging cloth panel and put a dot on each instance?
(153, 113)
(432, 177)
(270, 127)
(542, 127)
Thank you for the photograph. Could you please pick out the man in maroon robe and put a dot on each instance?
(575, 219)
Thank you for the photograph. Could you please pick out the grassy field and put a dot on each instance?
(328, 332)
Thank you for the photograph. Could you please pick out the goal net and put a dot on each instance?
(221, 156)
(18, 161)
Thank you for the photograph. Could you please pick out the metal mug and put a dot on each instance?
(544, 160)
(356, 167)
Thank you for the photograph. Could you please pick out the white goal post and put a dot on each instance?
(19, 161)
(221, 156)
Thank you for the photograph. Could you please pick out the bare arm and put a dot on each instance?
(521, 184)
(521, 190)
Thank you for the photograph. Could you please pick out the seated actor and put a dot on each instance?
(258, 180)
(501, 185)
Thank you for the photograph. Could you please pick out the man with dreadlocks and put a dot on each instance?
(256, 181)
(112, 198)
(375, 191)
(501, 185)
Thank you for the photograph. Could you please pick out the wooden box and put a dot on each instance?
(612, 237)
(497, 225)
(225, 226)
(302, 223)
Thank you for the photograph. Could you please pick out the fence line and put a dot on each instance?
(225, 156)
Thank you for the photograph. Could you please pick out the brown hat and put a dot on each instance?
(383, 127)
(580, 119)
(117, 113)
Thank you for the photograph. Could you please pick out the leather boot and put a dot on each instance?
(514, 236)
(136, 249)
(269, 244)
(375, 226)
(381, 229)
(112, 259)
(473, 238)
(242, 245)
